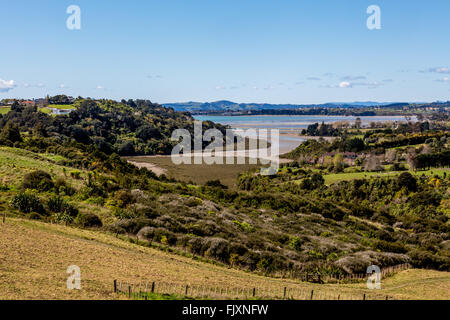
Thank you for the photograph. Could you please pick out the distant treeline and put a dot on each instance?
(433, 160)
(306, 112)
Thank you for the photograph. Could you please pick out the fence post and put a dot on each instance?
(115, 286)
(254, 292)
(387, 298)
(129, 291)
(284, 295)
(312, 293)
(364, 296)
(153, 287)
(4, 217)
(186, 291)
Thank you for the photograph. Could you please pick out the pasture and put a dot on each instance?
(36, 255)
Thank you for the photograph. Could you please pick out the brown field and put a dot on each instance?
(197, 173)
(35, 256)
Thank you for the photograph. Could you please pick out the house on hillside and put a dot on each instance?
(28, 103)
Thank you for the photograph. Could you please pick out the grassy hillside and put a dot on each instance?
(34, 267)
(67, 170)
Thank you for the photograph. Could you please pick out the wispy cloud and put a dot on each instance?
(39, 85)
(445, 79)
(349, 84)
(443, 70)
(157, 76)
(353, 78)
(6, 85)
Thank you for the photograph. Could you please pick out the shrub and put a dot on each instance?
(88, 220)
(35, 216)
(67, 213)
(245, 226)
(193, 202)
(389, 246)
(124, 198)
(27, 202)
(407, 180)
(75, 174)
(215, 184)
(55, 204)
(39, 180)
(296, 243)
(422, 259)
(61, 186)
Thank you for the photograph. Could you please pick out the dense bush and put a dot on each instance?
(38, 180)
(27, 202)
(88, 220)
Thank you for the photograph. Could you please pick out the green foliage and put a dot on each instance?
(38, 180)
(67, 214)
(10, 133)
(245, 226)
(27, 202)
(314, 182)
(406, 180)
(296, 243)
(88, 220)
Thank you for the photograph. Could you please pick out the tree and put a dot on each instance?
(338, 162)
(354, 145)
(11, 132)
(407, 180)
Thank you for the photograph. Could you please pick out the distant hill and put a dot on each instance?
(225, 105)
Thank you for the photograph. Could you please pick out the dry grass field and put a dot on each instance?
(197, 173)
(34, 258)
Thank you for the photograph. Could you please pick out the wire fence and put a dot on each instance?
(145, 290)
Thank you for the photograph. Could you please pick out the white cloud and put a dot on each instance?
(348, 84)
(99, 87)
(345, 84)
(6, 85)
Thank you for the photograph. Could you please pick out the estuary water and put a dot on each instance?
(289, 126)
(290, 122)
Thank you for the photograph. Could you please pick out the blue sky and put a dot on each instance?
(299, 51)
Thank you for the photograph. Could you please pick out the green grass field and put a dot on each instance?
(4, 110)
(336, 177)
